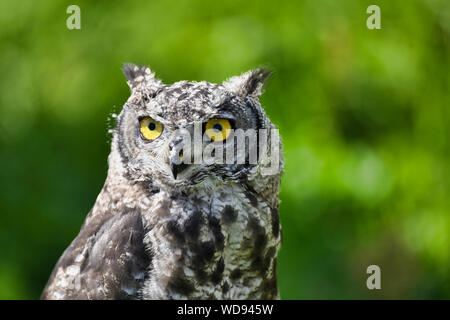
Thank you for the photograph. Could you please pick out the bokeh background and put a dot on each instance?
(364, 116)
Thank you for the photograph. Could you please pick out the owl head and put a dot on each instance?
(174, 135)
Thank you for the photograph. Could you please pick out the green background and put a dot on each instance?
(364, 116)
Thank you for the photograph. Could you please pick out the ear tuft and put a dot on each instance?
(132, 71)
(138, 76)
(248, 83)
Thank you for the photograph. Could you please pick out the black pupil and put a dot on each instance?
(152, 126)
(217, 127)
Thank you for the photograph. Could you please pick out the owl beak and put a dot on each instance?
(177, 168)
(176, 157)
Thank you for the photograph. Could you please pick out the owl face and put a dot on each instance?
(164, 130)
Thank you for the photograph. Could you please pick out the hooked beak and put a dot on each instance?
(176, 164)
(176, 157)
(177, 168)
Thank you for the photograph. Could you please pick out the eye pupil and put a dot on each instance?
(218, 129)
(152, 126)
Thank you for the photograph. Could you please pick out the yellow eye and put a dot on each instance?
(150, 128)
(218, 129)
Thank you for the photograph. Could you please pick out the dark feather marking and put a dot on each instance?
(229, 215)
(204, 252)
(216, 230)
(218, 272)
(236, 274)
(253, 200)
(183, 96)
(175, 231)
(268, 259)
(275, 222)
(225, 287)
(259, 245)
(180, 284)
(192, 225)
(274, 267)
(85, 262)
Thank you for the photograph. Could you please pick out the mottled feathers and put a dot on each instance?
(211, 232)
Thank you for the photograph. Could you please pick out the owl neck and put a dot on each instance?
(220, 244)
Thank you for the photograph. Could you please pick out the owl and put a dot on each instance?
(165, 226)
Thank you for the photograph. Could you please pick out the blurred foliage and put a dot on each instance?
(364, 116)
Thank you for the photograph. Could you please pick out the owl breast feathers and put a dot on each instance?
(189, 208)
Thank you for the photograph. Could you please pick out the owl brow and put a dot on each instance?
(225, 105)
(157, 116)
(225, 116)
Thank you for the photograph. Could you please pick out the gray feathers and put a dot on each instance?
(212, 233)
(141, 78)
(249, 83)
(107, 260)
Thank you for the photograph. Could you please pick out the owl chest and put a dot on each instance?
(219, 245)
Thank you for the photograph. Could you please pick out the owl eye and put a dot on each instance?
(150, 128)
(218, 129)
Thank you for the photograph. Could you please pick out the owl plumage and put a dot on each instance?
(164, 231)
